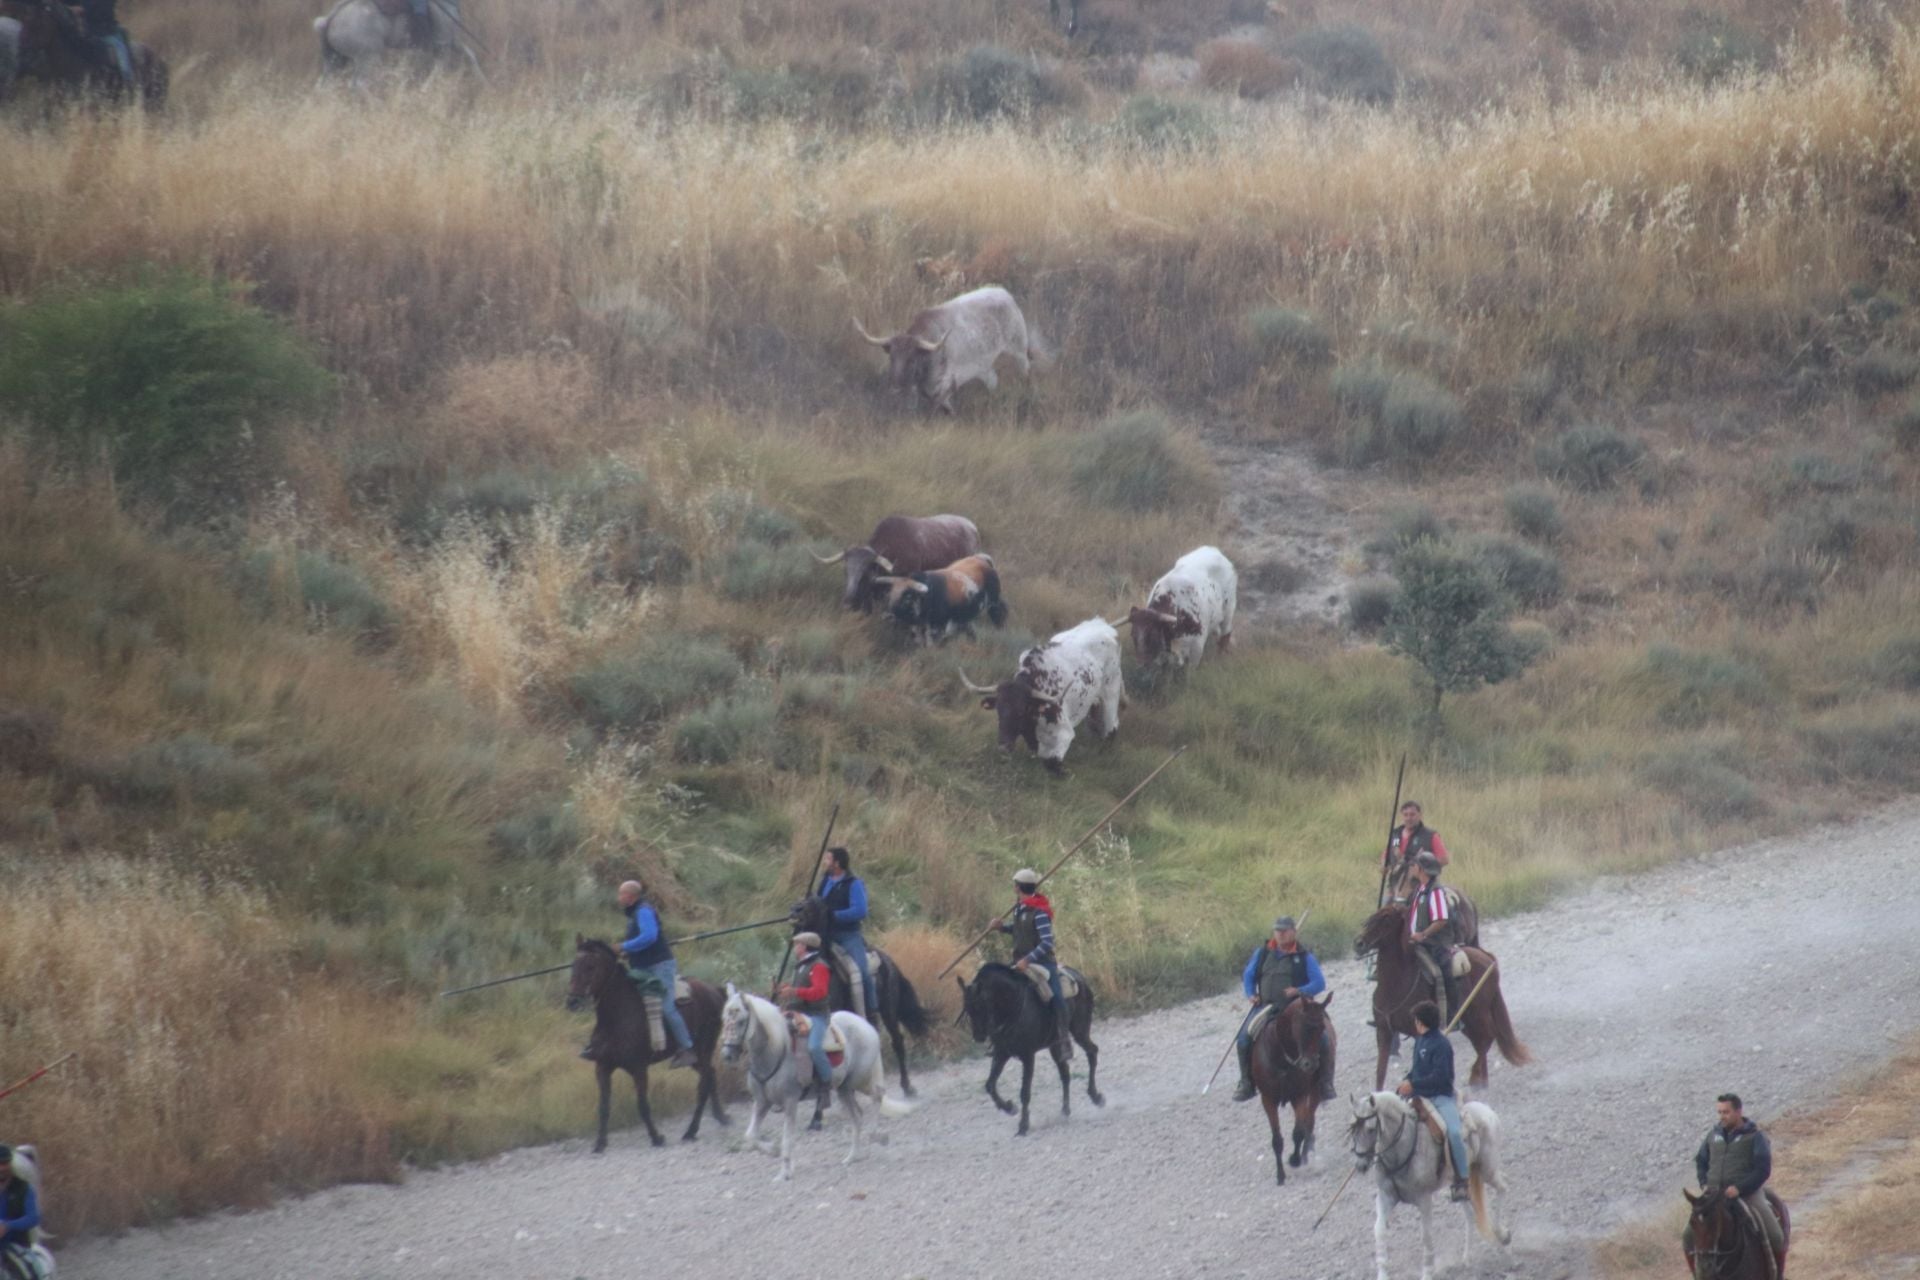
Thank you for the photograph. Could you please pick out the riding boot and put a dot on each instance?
(1244, 1090)
(1327, 1093)
(1461, 1191)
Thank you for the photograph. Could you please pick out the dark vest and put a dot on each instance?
(839, 898)
(1026, 933)
(1421, 841)
(15, 1198)
(659, 952)
(803, 976)
(1423, 913)
(1278, 971)
(1729, 1157)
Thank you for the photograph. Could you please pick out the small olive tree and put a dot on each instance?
(1451, 619)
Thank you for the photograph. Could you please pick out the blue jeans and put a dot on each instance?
(856, 948)
(817, 1050)
(666, 971)
(1449, 1110)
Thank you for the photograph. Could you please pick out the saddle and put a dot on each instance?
(1042, 978)
(1438, 1128)
(800, 1028)
(391, 8)
(653, 1007)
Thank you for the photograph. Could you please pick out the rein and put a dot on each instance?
(1381, 1149)
(1725, 1260)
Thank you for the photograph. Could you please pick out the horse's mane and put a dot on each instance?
(1376, 931)
(596, 945)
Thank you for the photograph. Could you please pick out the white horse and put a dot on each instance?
(361, 36)
(1409, 1166)
(777, 1071)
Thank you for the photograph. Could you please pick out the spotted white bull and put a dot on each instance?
(1074, 676)
(1192, 602)
(955, 343)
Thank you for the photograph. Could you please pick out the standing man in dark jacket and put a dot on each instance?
(1432, 1079)
(1280, 972)
(1032, 930)
(19, 1212)
(1735, 1160)
(846, 897)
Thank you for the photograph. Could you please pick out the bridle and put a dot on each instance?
(1382, 1149)
(739, 1040)
(1724, 1259)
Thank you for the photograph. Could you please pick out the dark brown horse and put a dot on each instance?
(1286, 1071)
(1003, 1007)
(623, 1042)
(43, 39)
(1399, 984)
(1723, 1245)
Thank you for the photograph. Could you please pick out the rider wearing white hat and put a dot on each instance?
(809, 994)
(1032, 930)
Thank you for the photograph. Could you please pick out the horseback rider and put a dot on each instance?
(1032, 931)
(645, 951)
(1408, 841)
(1735, 1160)
(1430, 927)
(19, 1215)
(809, 994)
(107, 39)
(1280, 972)
(1431, 1079)
(846, 897)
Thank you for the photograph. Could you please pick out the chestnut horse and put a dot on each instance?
(1399, 984)
(43, 39)
(623, 1041)
(1286, 1071)
(1723, 1245)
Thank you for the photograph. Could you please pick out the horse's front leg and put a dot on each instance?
(639, 1075)
(1026, 1092)
(1426, 1238)
(604, 1075)
(1382, 1206)
(1383, 1037)
(1272, 1107)
(705, 1072)
(1066, 1081)
(791, 1118)
(993, 1079)
(758, 1113)
(1084, 1034)
(899, 1052)
(1303, 1111)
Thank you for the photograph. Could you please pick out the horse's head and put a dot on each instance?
(734, 1018)
(1382, 927)
(809, 915)
(973, 1007)
(593, 964)
(1363, 1135)
(1708, 1239)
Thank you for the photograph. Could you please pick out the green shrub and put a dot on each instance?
(172, 379)
(1693, 688)
(1408, 526)
(1166, 124)
(1533, 512)
(1589, 458)
(1713, 47)
(1881, 747)
(813, 92)
(648, 683)
(188, 765)
(546, 833)
(725, 729)
(335, 594)
(1898, 663)
(989, 83)
(1137, 462)
(1395, 415)
(1808, 473)
(1879, 370)
(1707, 788)
(1906, 427)
(1282, 333)
(754, 570)
(1530, 574)
(1828, 530)
(1370, 603)
(1345, 61)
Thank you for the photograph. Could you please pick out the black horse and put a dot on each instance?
(623, 1042)
(1004, 1006)
(899, 1004)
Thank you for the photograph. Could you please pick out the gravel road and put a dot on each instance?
(1769, 969)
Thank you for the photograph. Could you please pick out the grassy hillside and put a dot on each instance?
(311, 705)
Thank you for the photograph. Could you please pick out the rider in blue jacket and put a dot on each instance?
(19, 1209)
(1432, 1079)
(846, 897)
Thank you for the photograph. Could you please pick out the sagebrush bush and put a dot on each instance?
(626, 691)
(1830, 530)
(1808, 473)
(1532, 575)
(1589, 458)
(1370, 603)
(187, 767)
(1245, 68)
(1879, 746)
(989, 83)
(1881, 369)
(726, 728)
(335, 593)
(1395, 415)
(1282, 333)
(1138, 462)
(1165, 124)
(1407, 525)
(1345, 61)
(1905, 427)
(1533, 512)
(1898, 663)
(1714, 47)
(171, 379)
(1707, 787)
(756, 570)
(1692, 687)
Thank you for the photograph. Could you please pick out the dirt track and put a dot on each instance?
(1749, 970)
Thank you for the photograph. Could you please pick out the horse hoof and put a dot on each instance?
(1099, 1100)
(657, 1140)
(813, 1125)
(1007, 1108)
(600, 1148)
(689, 1137)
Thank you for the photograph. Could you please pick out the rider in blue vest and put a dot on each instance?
(645, 949)
(1280, 972)
(1432, 1078)
(19, 1211)
(846, 897)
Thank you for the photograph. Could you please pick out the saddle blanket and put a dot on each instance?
(1460, 963)
(1042, 978)
(836, 1044)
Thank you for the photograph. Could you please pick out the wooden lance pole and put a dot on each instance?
(786, 953)
(1380, 898)
(1091, 832)
(21, 1084)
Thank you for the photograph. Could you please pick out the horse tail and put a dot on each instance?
(907, 1006)
(1477, 1188)
(1511, 1048)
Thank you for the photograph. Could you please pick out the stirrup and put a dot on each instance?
(1461, 1191)
(1244, 1090)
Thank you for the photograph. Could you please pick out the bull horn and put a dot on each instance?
(878, 342)
(1037, 696)
(975, 688)
(833, 559)
(924, 345)
(1170, 619)
(886, 565)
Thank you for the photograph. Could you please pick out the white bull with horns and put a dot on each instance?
(957, 342)
(1074, 676)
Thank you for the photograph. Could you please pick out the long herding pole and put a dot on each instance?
(1451, 1024)
(1380, 898)
(1243, 1023)
(1091, 832)
(812, 880)
(21, 1084)
(692, 937)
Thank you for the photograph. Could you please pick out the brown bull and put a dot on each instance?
(901, 546)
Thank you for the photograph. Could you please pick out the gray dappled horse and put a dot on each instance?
(361, 37)
(1409, 1165)
(757, 1030)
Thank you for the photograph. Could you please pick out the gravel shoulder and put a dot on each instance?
(1774, 969)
